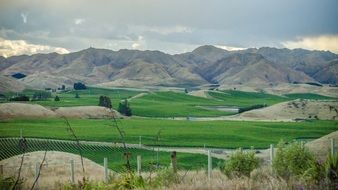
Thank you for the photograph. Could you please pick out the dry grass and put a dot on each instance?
(55, 171)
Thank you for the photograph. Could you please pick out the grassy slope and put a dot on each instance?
(229, 134)
(244, 99)
(114, 154)
(309, 96)
(173, 104)
(88, 97)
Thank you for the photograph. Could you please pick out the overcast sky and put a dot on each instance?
(172, 26)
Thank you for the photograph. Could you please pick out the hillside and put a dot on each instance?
(293, 110)
(204, 65)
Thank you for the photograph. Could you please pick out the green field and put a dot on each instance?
(309, 96)
(169, 103)
(88, 97)
(174, 104)
(244, 99)
(225, 134)
(115, 156)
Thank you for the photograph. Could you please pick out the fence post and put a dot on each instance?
(271, 152)
(140, 141)
(209, 164)
(72, 176)
(105, 163)
(1, 170)
(37, 170)
(139, 165)
(333, 147)
(173, 161)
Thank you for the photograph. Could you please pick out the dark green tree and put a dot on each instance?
(56, 98)
(79, 86)
(41, 96)
(105, 102)
(77, 95)
(124, 108)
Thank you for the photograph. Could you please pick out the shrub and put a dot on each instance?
(41, 96)
(105, 102)
(165, 177)
(19, 98)
(240, 110)
(241, 163)
(127, 180)
(292, 160)
(77, 95)
(56, 98)
(331, 167)
(79, 86)
(124, 108)
(9, 183)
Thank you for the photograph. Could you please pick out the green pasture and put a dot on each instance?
(223, 134)
(170, 104)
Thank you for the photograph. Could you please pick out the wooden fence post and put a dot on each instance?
(271, 153)
(72, 176)
(209, 164)
(173, 161)
(333, 147)
(139, 165)
(105, 164)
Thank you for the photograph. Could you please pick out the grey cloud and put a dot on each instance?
(117, 24)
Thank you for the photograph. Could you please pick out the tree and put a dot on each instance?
(77, 95)
(79, 86)
(41, 95)
(56, 98)
(124, 108)
(105, 102)
(186, 91)
(19, 98)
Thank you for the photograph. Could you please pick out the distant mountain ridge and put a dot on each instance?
(204, 65)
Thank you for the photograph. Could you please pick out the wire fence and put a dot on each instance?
(101, 159)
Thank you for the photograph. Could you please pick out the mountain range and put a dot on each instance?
(204, 65)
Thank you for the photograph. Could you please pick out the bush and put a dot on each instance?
(165, 177)
(105, 102)
(79, 86)
(41, 96)
(241, 163)
(240, 110)
(77, 95)
(56, 98)
(292, 160)
(20, 98)
(9, 182)
(331, 167)
(127, 180)
(124, 108)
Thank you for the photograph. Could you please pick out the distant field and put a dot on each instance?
(308, 96)
(243, 99)
(88, 97)
(225, 134)
(169, 103)
(174, 104)
(114, 154)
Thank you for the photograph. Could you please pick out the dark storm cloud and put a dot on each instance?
(170, 25)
